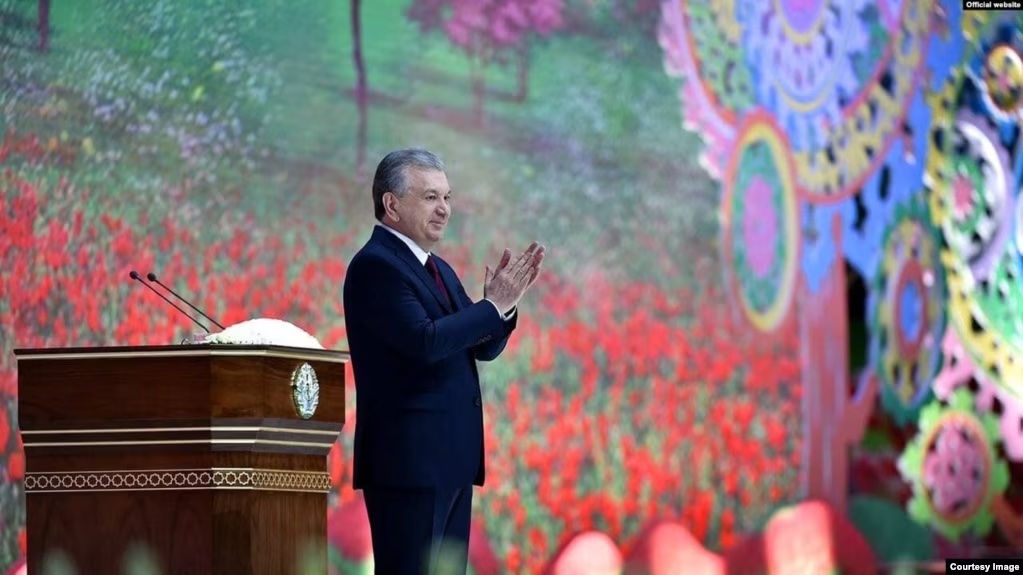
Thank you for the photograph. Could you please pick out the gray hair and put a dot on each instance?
(390, 174)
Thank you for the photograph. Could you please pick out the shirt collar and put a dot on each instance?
(419, 252)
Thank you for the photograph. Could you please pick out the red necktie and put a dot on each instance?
(432, 267)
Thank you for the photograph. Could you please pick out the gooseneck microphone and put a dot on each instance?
(152, 277)
(135, 276)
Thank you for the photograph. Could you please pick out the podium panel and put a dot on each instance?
(211, 458)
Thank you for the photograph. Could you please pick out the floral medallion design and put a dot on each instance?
(906, 312)
(760, 217)
(954, 469)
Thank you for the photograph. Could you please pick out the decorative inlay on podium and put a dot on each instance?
(163, 479)
(305, 390)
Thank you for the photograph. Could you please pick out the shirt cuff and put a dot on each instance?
(508, 316)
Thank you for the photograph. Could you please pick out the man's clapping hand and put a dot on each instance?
(506, 284)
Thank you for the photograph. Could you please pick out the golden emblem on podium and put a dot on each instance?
(305, 390)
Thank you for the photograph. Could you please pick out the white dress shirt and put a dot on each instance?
(422, 254)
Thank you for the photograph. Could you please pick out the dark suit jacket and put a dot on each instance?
(419, 414)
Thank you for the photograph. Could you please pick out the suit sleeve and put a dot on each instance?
(390, 307)
(490, 350)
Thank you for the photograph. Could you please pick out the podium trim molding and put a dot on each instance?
(178, 479)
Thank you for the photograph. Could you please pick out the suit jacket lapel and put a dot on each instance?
(418, 269)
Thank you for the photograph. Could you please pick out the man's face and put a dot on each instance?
(424, 211)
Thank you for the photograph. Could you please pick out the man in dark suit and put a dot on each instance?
(415, 337)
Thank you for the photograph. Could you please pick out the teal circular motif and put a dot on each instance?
(763, 246)
(907, 316)
(757, 239)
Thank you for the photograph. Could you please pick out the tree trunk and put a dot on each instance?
(479, 57)
(360, 86)
(523, 88)
(479, 90)
(44, 25)
(832, 419)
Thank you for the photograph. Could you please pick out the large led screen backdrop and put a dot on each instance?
(784, 241)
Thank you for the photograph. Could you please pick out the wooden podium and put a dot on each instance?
(212, 458)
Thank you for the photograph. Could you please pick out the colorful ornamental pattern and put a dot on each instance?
(979, 200)
(997, 69)
(953, 468)
(845, 92)
(838, 75)
(906, 310)
(958, 371)
(761, 223)
(973, 180)
(802, 56)
(701, 42)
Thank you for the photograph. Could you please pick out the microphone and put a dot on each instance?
(152, 277)
(135, 276)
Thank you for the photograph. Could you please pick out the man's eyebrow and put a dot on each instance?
(435, 191)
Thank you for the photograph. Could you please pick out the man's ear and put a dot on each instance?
(390, 206)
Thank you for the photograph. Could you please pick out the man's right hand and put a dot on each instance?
(506, 284)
